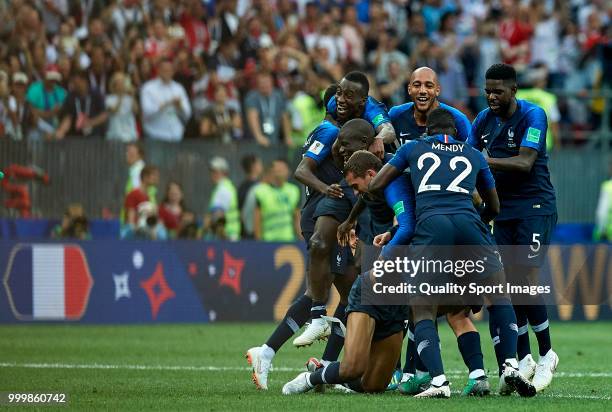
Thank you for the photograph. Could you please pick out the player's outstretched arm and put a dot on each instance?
(521, 163)
(305, 174)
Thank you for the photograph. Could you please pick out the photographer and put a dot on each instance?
(148, 225)
(74, 224)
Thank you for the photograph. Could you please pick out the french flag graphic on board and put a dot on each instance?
(48, 282)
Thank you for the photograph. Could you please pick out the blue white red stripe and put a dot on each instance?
(48, 282)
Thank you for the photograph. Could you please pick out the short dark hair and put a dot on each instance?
(247, 162)
(329, 93)
(440, 121)
(501, 71)
(360, 162)
(148, 171)
(361, 78)
(360, 127)
(139, 148)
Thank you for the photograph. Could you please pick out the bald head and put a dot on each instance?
(424, 73)
(424, 89)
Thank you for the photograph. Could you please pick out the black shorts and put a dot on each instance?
(339, 209)
(340, 259)
(531, 235)
(389, 318)
(470, 240)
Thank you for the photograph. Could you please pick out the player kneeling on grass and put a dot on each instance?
(374, 333)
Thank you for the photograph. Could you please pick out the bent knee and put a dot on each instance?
(318, 245)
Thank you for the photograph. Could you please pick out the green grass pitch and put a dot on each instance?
(202, 367)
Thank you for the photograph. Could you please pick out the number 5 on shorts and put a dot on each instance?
(535, 247)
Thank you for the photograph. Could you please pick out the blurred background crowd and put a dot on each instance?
(235, 70)
(254, 69)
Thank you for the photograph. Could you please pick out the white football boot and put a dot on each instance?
(261, 366)
(299, 385)
(544, 370)
(527, 366)
(317, 329)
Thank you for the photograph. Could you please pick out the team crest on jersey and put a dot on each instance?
(511, 143)
(316, 147)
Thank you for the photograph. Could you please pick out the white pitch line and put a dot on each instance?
(207, 368)
(281, 369)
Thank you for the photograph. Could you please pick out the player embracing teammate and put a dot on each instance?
(512, 134)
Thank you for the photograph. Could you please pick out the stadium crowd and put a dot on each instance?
(227, 70)
(255, 69)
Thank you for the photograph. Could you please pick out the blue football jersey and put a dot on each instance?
(406, 129)
(399, 195)
(520, 194)
(444, 173)
(318, 147)
(381, 214)
(374, 111)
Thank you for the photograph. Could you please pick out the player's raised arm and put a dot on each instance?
(391, 170)
(382, 179)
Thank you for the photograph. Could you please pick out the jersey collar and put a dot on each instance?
(445, 138)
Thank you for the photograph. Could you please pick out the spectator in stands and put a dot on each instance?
(515, 32)
(122, 109)
(306, 108)
(165, 106)
(83, 113)
(98, 71)
(385, 53)
(220, 120)
(22, 120)
(277, 210)
(394, 91)
(149, 177)
(172, 207)
(535, 79)
(223, 206)
(126, 15)
(266, 113)
(134, 157)
(252, 167)
(74, 224)
(194, 23)
(47, 97)
(4, 103)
